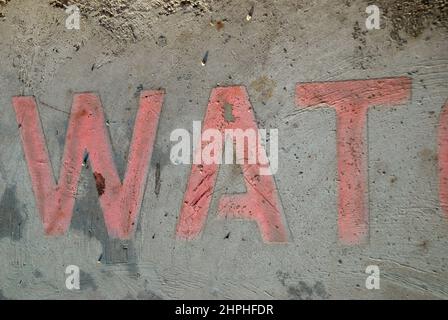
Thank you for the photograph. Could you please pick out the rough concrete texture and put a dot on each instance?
(126, 46)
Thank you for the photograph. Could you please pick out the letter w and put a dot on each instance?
(87, 132)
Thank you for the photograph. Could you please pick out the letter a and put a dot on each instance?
(260, 203)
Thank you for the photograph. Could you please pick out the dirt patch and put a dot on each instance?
(100, 182)
(171, 6)
(131, 20)
(3, 3)
(427, 155)
(411, 17)
(359, 34)
(404, 19)
(265, 86)
(362, 52)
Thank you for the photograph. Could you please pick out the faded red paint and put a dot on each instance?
(87, 132)
(443, 159)
(351, 100)
(259, 203)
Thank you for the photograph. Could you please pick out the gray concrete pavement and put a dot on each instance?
(124, 46)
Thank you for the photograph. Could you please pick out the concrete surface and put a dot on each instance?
(125, 46)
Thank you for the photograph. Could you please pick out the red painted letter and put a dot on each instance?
(260, 203)
(443, 159)
(87, 132)
(351, 100)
